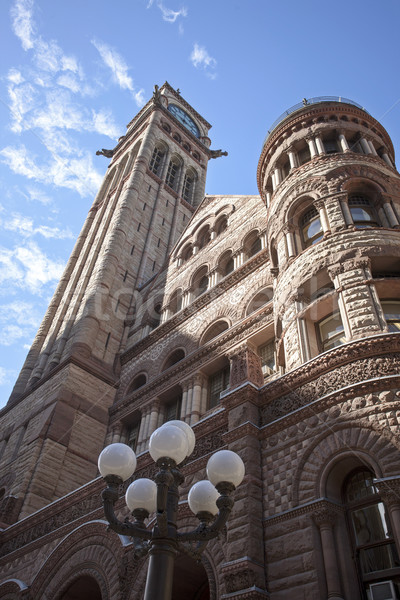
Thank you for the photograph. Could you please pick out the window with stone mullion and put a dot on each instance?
(171, 174)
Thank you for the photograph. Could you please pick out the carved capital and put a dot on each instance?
(389, 490)
(319, 204)
(325, 516)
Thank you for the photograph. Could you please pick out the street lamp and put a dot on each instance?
(210, 501)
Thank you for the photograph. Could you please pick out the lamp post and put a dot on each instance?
(209, 499)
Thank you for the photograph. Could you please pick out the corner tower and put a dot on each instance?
(56, 418)
(327, 176)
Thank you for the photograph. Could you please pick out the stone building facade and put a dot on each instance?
(269, 323)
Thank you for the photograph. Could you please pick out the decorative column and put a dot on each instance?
(372, 147)
(116, 433)
(289, 233)
(154, 413)
(263, 239)
(245, 366)
(346, 213)
(343, 142)
(268, 198)
(325, 519)
(213, 278)
(213, 234)
(185, 388)
(320, 206)
(189, 399)
(359, 304)
(238, 258)
(292, 154)
(312, 147)
(195, 248)
(319, 144)
(390, 214)
(277, 177)
(365, 146)
(141, 443)
(198, 382)
(165, 314)
(186, 297)
(386, 158)
(301, 302)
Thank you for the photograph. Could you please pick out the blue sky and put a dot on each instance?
(73, 73)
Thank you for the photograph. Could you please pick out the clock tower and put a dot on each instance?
(155, 181)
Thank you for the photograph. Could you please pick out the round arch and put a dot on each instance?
(89, 551)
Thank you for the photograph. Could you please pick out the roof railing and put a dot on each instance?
(307, 102)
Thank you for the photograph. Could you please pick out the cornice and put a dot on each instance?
(306, 509)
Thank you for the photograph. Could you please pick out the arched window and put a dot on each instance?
(362, 212)
(175, 303)
(371, 536)
(311, 227)
(204, 237)
(173, 172)
(200, 282)
(221, 225)
(157, 159)
(252, 244)
(331, 332)
(173, 358)
(226, 264)
(214, 330)
(187, 252)
(138, 382)
(260, 299)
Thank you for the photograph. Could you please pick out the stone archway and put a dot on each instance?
(190, 580)
(83, 588)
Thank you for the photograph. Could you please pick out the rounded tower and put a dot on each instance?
(327, 176)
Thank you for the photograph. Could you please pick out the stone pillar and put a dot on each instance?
(277, 176)
(292, 157)
(312, 147)
(372, 147)
(319, 144)
(386, 158)
(343, 142)
(189, 400)
(346, 213)
(204, 398)
(238, 259)
(365, 146)
(198, 383)
(334, 211)
(185, 387)
(359, 304)
(141, 443)
(213, 278)
(320, 206)
(154, 413)
(213, 234)
(116, 433)
(268, 198)
(325, 519)
(165, 314)
(289, 233)
(245, 366)
(390, 214)
(263, 239)
(187, 297)
(302, 332)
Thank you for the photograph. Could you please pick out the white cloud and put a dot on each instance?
(24, 226)
(18, 320)
(77, 174)
(103, 122)
(23, 27)
(35, 194)
(170, 15)
(119, 68)
(28, 268)
(201, 59)
(7, 376)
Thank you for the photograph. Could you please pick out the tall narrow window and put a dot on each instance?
(331, 332)
(188, 187)
(156, 160)
(172, 173)
(311, 227)
(133, 435)
(173, 409)
(363, 214)
(371, 534)
(217, 383)
(267, 354)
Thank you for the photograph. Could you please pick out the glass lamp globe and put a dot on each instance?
(203, 497)
(191, 439)
(117, 459)
(168, 441)
(142, 493)
(225, 465)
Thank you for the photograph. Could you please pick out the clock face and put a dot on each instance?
(184, 119)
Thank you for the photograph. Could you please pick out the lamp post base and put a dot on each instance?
(160, 571)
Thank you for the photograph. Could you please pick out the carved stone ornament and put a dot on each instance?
(326, 515)
(389, 489)
(245, 366)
